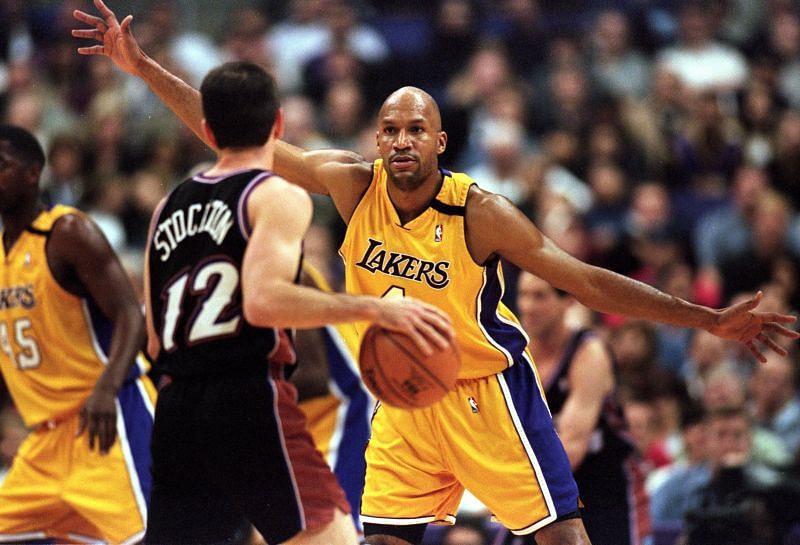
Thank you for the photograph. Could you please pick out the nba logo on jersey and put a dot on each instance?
(27, 260)
(473, 405)
(437, 233)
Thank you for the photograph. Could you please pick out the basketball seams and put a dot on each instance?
(413, 359)
(390, 385)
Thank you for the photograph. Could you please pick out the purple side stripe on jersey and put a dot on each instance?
(241, 212)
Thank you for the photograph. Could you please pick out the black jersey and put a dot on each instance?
(610, 439)
(198, 242)
(610, 481)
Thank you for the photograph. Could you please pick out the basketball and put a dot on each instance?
(398, 374)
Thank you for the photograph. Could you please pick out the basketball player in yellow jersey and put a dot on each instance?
(337, 405)
(417, 230)
(70, 332)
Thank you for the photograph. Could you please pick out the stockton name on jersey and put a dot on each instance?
(17, 296)
(406, 266)
(214, 218)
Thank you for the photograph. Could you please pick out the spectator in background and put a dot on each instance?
(524, 35)
(702, 63)
(245, 38)
(454, 40)
(300, 123)
(193, 53)
(105, 204)
(784, 169)
(783, 44)
(343, 113)
(617, 68)
(295, 40)
(708, 151)
(705, 353)
(725, 388)
(672, 486)
(770, 258)
(63, 181)
(646, 430)
(654, 121)
(352, 50)
(634, 345)
(776, 406)
(727, 231)
(566, 101)
(759, 110)
(743, 502)
(605, 220)
(506, 154)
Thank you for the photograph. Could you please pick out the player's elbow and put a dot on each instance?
(262, 311)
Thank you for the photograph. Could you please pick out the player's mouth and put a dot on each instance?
(402, 162)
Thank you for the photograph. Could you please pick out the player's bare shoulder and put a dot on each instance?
(277, 191)
(73, 233)
(484, 213)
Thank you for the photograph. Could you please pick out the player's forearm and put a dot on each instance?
(576, 449)
(292, 305)
(126, 342)
(179, 96)
(613, 293)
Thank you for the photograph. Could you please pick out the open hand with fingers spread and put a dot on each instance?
(742, 323)
(116, 39)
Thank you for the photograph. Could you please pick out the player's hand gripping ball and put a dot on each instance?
(398, 374)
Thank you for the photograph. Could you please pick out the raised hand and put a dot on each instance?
(116, 39)
(429, 327)
(742, 323)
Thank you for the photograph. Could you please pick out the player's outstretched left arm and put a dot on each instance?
(85, 264)
(521, 242)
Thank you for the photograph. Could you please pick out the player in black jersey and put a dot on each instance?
(576, 371)
(230, 447)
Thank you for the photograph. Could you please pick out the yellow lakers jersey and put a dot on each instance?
(53, 344)
(427, 258)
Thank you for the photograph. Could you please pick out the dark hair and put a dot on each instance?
(25, 145)
(240, 103)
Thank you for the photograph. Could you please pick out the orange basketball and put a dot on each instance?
(398, 374)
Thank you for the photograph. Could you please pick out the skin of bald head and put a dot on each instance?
(410, 138)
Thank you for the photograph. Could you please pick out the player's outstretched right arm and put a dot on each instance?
(340, 173)
(116, 41)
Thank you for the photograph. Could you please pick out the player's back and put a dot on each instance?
(199, 237)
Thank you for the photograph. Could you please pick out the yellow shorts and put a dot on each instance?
(493, 436)
(58, 488)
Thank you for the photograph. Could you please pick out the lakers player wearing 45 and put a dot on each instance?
(70, 330)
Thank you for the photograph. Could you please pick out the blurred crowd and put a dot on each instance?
(660, 139)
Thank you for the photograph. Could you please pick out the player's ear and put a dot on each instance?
(277, 126)
(32, 174)
(209, 134)
(441, 144)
